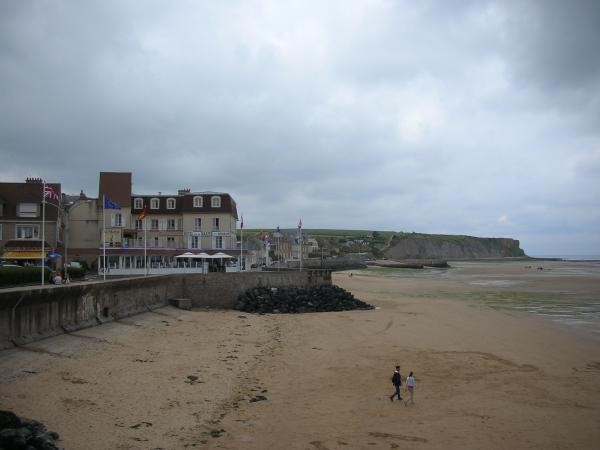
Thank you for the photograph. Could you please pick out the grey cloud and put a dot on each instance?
(556, 43)
(436, 116)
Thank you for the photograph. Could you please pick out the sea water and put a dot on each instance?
(574, 308)
(570, 257)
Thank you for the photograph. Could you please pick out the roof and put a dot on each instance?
(185, 203)
(181, 195)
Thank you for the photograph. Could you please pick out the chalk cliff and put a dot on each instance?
(433, 246)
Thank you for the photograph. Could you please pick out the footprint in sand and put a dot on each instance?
(401, 437)
(387, 327)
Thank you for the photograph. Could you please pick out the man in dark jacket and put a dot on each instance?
(397, 382)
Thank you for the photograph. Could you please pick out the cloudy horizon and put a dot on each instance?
(470, 117)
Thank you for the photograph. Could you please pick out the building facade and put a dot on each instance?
(119, 232)
(28, 219)
(144, 232)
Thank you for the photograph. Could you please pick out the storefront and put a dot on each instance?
(28, 253)
(124, 261)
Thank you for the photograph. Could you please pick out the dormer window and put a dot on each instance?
(198, 202)
(154, 203)
(170, 203)
(215, 201)
(138, 203)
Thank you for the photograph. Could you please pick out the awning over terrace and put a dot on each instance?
(203, 255)
(24, 254)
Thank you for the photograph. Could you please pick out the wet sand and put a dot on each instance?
(486, 377)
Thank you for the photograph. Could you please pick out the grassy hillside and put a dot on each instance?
(418, 245)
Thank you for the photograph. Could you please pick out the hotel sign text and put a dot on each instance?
(209, 233)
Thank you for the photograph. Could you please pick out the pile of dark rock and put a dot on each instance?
(19, 433)
(298, 300)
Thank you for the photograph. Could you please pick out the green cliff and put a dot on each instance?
(440, 246)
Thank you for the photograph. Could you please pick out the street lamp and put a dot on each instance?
(68, 214)
(57, 206)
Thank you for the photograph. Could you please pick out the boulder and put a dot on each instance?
(294, 299)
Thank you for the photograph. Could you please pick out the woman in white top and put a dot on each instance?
(410, 387)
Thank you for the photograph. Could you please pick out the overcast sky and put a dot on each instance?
(459, 117)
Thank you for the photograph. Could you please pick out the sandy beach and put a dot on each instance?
(486, 376)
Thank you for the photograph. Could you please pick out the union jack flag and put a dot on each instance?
(50, 193)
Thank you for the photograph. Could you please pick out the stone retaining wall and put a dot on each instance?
(30, 314)
(220, 290)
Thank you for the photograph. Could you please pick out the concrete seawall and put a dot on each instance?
(30, 314)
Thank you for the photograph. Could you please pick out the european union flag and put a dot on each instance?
(109, 204)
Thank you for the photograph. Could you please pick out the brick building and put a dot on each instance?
(25, 219)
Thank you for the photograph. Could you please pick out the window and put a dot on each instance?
(139, 224)
(117, 220)
(195, 242)
(156, 241)
(215, 223)
(170, 203)
(154, 203)
(171, 241)
(1, 209)
(218, 241)
(170, 224)
(138, 203)
(27, 232)
(140, 241)
(0, 231)
(27, 210)
(154, 224)
(197, 224)
(198, 202)
(215, 201)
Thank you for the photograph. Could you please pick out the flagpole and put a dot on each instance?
(145, 246)
(104, 237)
(43, 229)
(277, 248)
(300, 228)
(242, 245)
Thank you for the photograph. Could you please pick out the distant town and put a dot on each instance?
(120, 232)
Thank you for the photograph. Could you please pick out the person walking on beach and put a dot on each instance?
(410, 387)
(397, 382)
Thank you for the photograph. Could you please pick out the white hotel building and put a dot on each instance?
(202, 224)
